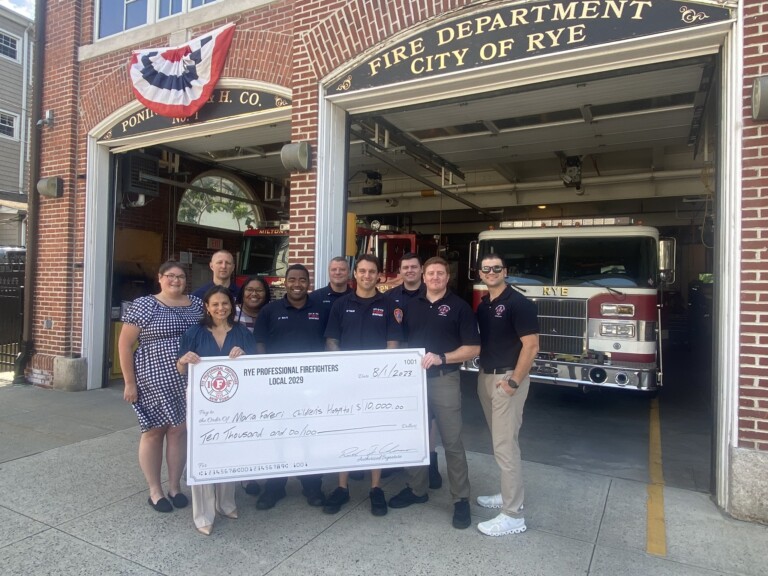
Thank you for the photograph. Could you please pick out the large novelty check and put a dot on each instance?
(285, 415)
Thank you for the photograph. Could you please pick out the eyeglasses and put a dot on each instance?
(173, 277)
(255, 291)
(496, 269)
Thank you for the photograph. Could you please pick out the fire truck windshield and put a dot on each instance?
(617, 262)
(264, 256)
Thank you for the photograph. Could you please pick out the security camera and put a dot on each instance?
(391, 202)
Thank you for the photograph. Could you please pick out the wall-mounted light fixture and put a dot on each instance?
(52, 187)
(760, 98)
(296, 156)
(47, 120)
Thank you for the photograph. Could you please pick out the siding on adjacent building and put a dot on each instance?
(14, 99)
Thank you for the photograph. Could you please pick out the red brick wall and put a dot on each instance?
(753, 381)
(292, 44)
(82, 95)
(57, 313)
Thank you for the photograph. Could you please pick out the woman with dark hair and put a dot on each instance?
(253, 296)
(217, 334)
(152, 383)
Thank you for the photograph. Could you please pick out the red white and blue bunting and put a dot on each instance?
(176, 82)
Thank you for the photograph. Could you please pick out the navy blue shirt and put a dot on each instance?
(364, 323)
(401, 295)
(441, 326)
(200, 292)
(283, 328)
(327, 297)
(502, 322)
(198, 339)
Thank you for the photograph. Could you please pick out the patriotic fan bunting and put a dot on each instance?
(176, 82)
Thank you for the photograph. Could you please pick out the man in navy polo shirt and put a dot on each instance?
(509, 335)
(362, 320)
(338, 285)
(292, 324)
(410, 271)
(444, 325)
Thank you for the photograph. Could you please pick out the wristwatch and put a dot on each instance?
(442, 358)
(512, 383)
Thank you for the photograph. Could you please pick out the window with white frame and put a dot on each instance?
(117, 16)
(8, 124)
(9, 46)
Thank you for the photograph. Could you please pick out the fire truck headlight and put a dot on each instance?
(607, 309)
(617, 330)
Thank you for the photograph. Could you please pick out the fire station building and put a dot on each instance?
(446, 117)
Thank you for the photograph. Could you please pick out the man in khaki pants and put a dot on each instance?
(509, 342)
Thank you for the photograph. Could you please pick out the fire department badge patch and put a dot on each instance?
(443, 310)
(399, 315)
(500, 310)
(219, 384)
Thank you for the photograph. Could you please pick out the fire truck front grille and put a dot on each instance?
(562, 325)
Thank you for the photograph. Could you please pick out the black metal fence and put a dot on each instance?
(11, 310)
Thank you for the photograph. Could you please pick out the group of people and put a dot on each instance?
(174, 330)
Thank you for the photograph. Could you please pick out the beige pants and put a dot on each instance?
(207, 499)
(504, 415)
(444, 400)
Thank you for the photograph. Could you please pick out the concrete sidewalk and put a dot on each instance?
(73, 501)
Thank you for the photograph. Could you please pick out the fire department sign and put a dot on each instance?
(517, 31)
(223, 103)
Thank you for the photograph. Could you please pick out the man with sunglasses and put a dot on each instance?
(509, 342)
(443, 324)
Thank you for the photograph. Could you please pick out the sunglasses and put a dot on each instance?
(496, 269)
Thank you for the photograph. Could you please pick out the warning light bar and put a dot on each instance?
(562, 222)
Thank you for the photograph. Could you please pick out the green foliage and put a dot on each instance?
(196, 204)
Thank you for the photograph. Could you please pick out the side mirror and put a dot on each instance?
(667, 251)
(472, 264)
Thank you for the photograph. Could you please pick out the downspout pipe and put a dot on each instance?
(27, 344)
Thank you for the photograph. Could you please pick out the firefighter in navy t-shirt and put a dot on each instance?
(410, 271)
(292, 324)
(362, 320)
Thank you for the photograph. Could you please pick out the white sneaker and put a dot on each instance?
(490, 501)
(502, 525)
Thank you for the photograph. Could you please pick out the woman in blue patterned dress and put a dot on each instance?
(217, 335)
(153, 385)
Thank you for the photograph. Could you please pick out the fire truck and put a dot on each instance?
(389, 244)
(597, 284)
(264, 253)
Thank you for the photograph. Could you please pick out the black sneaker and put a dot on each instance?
(405, 498)
(378, 502)
(269, 498)
(314, 497)
(252, 488)
(336, 500)
(461, 517)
